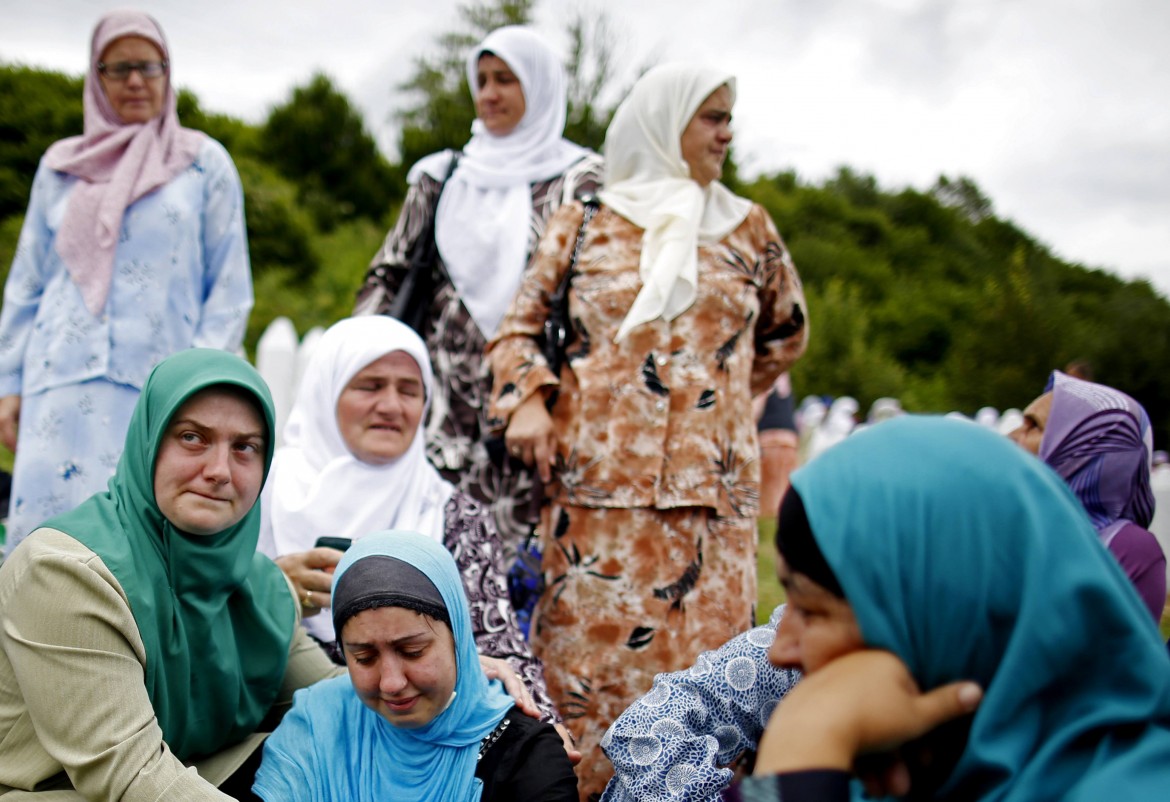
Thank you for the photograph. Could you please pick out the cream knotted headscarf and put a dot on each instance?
(648, 182)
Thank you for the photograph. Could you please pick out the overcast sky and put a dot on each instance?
(1058, 109)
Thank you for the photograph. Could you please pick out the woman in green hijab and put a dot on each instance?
(931, 554)
(141, 634)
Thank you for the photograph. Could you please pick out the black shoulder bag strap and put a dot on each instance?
(557, 326)
(413, 299)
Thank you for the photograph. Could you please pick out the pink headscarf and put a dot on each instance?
(117, 163)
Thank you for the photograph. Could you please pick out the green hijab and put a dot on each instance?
(971, 559)
(216, 618)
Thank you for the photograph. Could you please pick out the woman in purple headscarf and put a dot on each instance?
(1099, 440)
(133, 248)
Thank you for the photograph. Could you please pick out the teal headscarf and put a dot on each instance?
(215, 617)
(332, 748)
(970, 559)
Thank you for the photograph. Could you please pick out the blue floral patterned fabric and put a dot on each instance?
(181, 279)
(675, 742)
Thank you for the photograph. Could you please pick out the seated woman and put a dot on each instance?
(958, 564)
(141, 631)
(353, 461)
(1099, 440)
(415, 719)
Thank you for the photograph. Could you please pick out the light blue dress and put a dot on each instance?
(674, 742)
(181, 279)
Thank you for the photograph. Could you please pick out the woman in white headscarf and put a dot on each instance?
(353, 463)
(488, 216)
(684, 304)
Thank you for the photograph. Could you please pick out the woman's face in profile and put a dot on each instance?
(379, 410)
(134, 97)
(706, 138)
(1029, 434)
(210, 463)
(402, 664)
(817, 626)
(499, 96)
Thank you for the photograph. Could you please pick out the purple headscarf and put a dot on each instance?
(117, 163)
(1099, 440)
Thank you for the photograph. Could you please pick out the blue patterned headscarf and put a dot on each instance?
(331, 746)
(969, 559)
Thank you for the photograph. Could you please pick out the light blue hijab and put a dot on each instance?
(970, 559)
(331, 746)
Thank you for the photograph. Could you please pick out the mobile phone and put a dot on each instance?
(339, 543)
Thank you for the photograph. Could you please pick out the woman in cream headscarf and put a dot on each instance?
(513, 174)
(133, 248)
(684, 304)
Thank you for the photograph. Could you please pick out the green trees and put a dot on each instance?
(928, 296)
(439, 110)
(923, 295)
(318, 140)
(37, 107)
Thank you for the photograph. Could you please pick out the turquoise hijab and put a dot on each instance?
(332, 748)
(215, 617)
(970, 559)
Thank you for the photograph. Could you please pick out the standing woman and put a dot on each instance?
(513, 174)
(685, 304)
(133, 248)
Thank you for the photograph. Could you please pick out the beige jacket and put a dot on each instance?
(75, 718)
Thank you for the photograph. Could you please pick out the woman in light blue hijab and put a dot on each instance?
(947, 547)
(416, 719)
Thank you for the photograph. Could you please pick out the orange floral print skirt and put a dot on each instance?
(631, 593)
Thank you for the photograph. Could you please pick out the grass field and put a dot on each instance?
(770, 593)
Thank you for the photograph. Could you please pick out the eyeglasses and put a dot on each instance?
(120, 70)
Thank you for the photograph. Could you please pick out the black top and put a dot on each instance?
(524, 759)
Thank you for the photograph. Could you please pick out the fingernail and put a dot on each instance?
(969, 695)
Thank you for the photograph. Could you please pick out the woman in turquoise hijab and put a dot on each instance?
(416, 719)
(931, 554)
(141, 632)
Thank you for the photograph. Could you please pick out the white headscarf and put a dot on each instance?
(481, 226)
(317, 486)
(648, 182)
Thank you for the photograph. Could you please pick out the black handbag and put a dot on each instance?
(412, 302)
(558, 329)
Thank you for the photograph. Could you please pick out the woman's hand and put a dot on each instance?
(530, 437)
(570, 745)
(862, 703)
(311, 573)
(495, 668)
(9, 420)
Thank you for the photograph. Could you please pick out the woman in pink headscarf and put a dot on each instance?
(133, 248)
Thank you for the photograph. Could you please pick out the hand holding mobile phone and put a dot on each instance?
(339, 543)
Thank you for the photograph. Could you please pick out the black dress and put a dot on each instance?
(524, 759)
